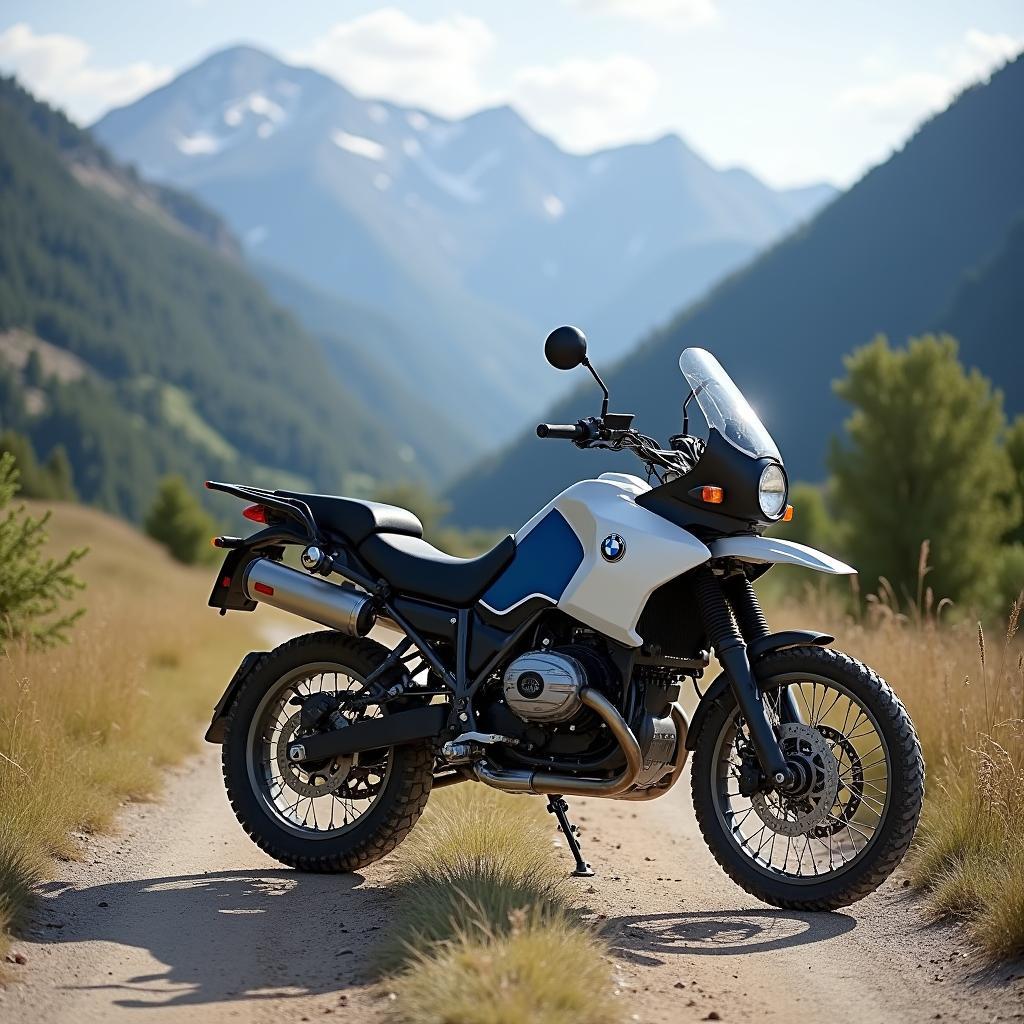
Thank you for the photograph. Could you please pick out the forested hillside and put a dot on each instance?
(988, 308)
(142, 348)
(893, 255)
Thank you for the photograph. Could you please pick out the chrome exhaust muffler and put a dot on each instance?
(342, 608)
(522, 780)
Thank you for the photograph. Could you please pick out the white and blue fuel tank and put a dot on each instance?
(596, 555)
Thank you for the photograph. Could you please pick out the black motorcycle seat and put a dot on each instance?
(356, 519)
(414, 567)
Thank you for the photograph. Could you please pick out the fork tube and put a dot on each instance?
(731, 651)
(754, 626)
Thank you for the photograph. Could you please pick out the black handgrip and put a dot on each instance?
(569, 431)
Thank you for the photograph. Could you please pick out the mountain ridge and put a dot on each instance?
(884, 257)
(476, 235)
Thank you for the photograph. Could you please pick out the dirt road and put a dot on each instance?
(179, 917)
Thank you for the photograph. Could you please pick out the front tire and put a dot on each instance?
(850, 827)
(372, 806)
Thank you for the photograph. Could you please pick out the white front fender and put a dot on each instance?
(771, 549)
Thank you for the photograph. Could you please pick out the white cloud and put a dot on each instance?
(57, 67)
(586, 103)
(391, 55)
(907, 96)
(677, 14)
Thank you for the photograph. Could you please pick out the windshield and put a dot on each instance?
(724, 406)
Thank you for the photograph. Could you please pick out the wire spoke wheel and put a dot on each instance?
(839, 830)
(323, 799)
(832, 817)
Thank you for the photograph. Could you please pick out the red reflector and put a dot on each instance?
(257, 513)
(262, 588)
(226, 582)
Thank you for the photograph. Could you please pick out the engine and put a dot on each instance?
(542, 689)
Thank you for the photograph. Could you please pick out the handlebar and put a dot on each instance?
(596, 433)
(568, 431)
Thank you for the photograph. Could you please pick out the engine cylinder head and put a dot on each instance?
(543, 686)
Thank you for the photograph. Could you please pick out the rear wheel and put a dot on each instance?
(339, 815)
(848, 822)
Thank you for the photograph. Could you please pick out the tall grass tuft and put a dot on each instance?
(474, 859)
(540, 971)
(90, 724)
(486, 914)
(966, 697)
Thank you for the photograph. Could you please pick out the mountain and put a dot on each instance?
(988, 309)
(131, 336)
(364, 350)
(894, 254)
(474, 236)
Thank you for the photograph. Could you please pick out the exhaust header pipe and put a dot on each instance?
(520, 780)
(310, 597)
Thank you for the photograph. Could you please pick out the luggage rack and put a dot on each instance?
(291, 508)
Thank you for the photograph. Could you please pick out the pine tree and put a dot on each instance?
(923, 460)
(33, 588)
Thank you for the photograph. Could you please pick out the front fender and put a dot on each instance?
(773, 550)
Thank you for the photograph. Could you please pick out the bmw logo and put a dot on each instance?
(613, 547)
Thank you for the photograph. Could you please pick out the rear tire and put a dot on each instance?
(399, 799)
(897, 814)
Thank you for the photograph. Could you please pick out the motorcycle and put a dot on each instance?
(553, 665)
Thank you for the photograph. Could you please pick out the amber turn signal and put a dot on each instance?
(788, 514)
(711, 494)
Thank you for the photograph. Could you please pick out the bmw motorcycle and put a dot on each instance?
(553, 665)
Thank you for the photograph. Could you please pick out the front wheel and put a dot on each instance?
(848, 821)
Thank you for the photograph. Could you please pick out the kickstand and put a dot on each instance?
(558, 807)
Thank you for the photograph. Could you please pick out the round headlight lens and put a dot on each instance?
(771, 492)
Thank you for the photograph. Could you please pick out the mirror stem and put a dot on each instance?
(600, 383)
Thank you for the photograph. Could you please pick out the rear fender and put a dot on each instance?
(215, 733)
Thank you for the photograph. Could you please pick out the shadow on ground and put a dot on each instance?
(649, 938)
(224, 936)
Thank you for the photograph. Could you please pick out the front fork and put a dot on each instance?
(732, 616)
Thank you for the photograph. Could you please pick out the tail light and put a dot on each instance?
(256, 513)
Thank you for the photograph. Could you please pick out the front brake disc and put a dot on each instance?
(795, 816)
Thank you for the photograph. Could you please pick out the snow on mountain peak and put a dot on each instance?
(359, 145)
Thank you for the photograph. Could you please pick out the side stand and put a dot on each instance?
(559, 808)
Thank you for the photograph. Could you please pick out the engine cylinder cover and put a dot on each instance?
(543, 686)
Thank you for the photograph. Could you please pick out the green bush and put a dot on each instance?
(923, 460)
(32, 588)
(177, 520)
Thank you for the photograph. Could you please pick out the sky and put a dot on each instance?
(792, 90)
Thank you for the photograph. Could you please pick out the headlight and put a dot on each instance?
(771, 492)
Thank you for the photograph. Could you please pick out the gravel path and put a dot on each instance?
(179, 917)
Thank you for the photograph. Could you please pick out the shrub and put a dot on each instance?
(32, 588)
(178, 521)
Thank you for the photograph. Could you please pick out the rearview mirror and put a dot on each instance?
(566, 348)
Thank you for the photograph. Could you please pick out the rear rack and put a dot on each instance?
(291, 508)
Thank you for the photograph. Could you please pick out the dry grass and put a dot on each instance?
(486, 913)
(88, 725)
(964, 688)
(543, 972)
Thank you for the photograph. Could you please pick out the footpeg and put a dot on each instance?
(559, 808)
